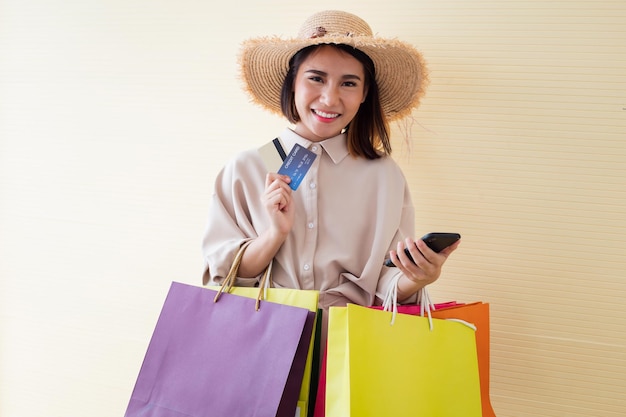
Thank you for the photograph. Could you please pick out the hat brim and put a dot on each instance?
(401, 72)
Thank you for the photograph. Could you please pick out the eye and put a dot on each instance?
(350, 84)
(316, 78)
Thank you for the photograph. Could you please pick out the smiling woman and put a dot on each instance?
(339, 86)
(114, 114)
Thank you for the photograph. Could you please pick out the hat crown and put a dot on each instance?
(334, 22)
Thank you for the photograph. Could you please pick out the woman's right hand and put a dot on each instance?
(279, 203)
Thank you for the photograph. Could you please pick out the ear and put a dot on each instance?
(365, 91)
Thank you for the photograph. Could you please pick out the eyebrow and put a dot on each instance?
(345, 77)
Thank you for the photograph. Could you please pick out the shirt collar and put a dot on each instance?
(336, 147)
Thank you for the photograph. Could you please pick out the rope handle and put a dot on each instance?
(229, 281)
(264, 284)
(390, 303)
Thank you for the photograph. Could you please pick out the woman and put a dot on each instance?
(339, 86)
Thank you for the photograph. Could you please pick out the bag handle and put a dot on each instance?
(390, 303)
(229, 281)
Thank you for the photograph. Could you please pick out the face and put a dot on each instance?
(329, 87)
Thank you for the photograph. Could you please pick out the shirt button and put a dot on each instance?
(306, 267)
(312, 185)
(314, 148)
(311, 225)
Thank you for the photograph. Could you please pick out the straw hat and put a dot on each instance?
(400, 69)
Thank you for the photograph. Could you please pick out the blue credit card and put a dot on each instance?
(297, 164)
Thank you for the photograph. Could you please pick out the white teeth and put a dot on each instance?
(326, 115)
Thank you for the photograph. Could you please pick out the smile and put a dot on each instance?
(326, 115)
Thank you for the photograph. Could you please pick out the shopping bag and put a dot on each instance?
(224, 358)
(320, 391)
(376, 368)
(298, 298)
(476, 313)
(319, 407)
(316, 364)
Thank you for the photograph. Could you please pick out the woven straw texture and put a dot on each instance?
(400, 68)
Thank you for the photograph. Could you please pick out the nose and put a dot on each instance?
(329, 95)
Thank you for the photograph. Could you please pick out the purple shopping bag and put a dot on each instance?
(222, 359)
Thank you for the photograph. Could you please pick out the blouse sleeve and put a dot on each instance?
(406, 229)
(234, 216)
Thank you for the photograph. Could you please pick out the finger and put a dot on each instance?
(400, 252)
(281, 198)
(416, 252)
(277, 196)
(274, 193)
(273, 177)
(269, 178)
(393, 257)
(404, 259)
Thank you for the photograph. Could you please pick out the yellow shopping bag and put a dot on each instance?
(376, 368)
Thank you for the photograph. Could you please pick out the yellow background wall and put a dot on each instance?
(116, 115)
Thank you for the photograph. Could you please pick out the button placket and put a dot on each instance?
(311, 216)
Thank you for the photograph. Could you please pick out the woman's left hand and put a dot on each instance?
(426, 266)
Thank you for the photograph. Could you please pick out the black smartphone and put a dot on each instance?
(437, 241)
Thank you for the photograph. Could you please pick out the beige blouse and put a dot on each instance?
(349, 213)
